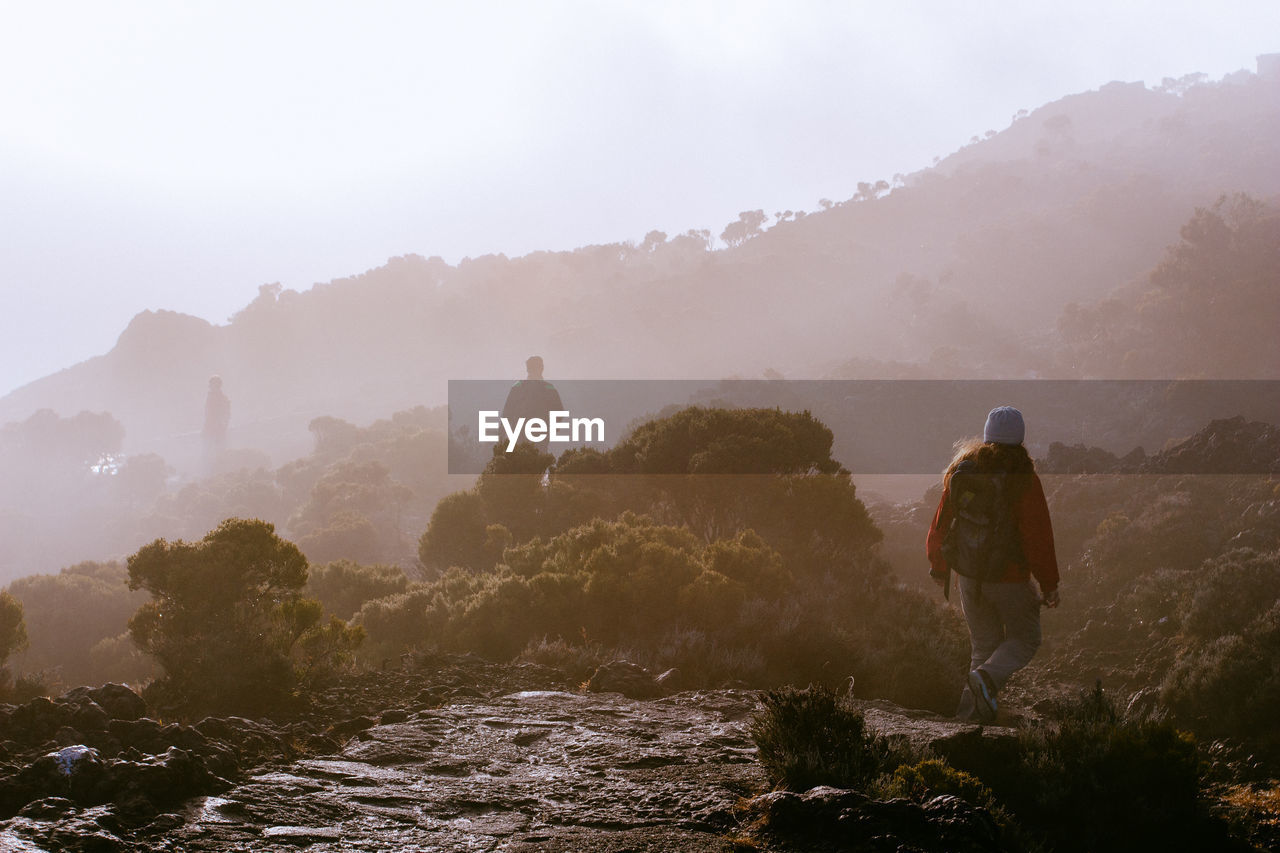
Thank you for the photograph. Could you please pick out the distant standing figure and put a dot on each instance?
(992, 529)
(217, 417)
(533, 396)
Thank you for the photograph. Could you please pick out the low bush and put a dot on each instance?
(228, 623)
(815, 737)
(24, 688)
(768, 576)
(1091, 778)
(721, 612)
(578, 662)
(1230, 687)
(344, 586)
(119, 659)
(1254, 813)
(68, 614)
(934, 777)
(1230, 592)
(394, 624)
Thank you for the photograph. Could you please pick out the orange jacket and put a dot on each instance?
(1034, 528)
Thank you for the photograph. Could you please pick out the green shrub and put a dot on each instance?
(814, 737)
(933, 777)
(68, 614)
(13, 637)
(343, 586)
(325, 650)
(25, 687)
(352, 513)
(577, 661)
(768, 575)
(1092, 779)
(1232, 591)
(786, 487)
(725, 611)
(456, 534)
(394, 624)
(13, 630)
(227, 620)
(119, 659)
(907, 648)
(703, 659)
(1230, 687)
(346, 535)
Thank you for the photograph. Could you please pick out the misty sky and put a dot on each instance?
(178, 155)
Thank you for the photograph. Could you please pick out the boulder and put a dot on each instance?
(249, 740)
(89, 716)
(48, 808)
(627, 678)
(850, 820)
(36, 721)
(72, 831)
(119, 701)
(985, 751)
(788, 812)
(161, 780)
(74, 773)
(347, 728)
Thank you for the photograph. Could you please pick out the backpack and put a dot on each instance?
(983, 537)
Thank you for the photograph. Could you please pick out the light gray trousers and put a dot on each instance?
(1004, 625)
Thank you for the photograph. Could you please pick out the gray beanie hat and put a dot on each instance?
(1004, 426)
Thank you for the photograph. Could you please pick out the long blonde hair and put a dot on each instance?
(992, 457)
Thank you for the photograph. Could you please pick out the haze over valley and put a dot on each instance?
(253, 600)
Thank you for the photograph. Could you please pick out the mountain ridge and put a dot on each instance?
(1074, 199)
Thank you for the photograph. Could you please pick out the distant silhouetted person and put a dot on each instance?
(533, 396)
(992, 529)
(217, 417)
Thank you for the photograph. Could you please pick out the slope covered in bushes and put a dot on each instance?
(768, 576)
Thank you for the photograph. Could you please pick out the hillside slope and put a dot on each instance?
(978, 254)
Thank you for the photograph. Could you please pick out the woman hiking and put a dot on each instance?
(992, 529)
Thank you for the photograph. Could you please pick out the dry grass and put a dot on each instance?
(1262, 806)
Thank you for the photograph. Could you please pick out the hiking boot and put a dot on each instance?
(984, 695)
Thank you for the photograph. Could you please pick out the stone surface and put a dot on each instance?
(119, 701)
(455, 754)
(531, 770)
(984, 751)
(831, 818)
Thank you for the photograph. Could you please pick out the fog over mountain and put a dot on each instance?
(961, 269)
(168, 157)
(331, 614)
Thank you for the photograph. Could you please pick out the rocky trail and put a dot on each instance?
(532, 770)
(449, 754)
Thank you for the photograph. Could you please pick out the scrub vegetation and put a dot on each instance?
(727, 543)
(1085, 776)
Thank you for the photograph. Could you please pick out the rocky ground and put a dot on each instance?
(529, 770)
(450, 753)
